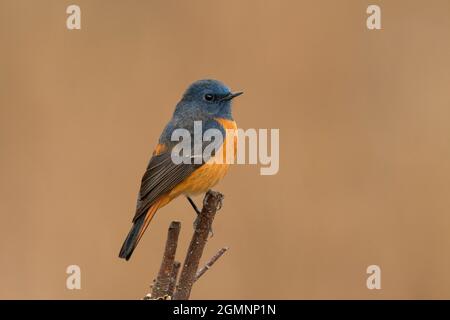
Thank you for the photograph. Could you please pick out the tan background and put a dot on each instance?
(365, 145)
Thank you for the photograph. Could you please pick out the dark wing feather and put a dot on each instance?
(161, 176)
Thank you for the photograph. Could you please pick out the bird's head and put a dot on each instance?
(207, 97)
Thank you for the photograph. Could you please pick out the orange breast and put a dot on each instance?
(208, 175)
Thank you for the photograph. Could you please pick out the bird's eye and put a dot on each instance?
(209, 97)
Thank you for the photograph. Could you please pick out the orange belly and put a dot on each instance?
(209, 174)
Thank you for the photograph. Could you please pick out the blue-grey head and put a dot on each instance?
(206, 99)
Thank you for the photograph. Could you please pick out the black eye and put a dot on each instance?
(209, 97)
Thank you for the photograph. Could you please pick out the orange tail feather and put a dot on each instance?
(136, 232)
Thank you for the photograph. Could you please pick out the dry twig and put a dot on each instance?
(173, 278)
(210, 263)
(162, 283)
(211, 203)
(166, 285)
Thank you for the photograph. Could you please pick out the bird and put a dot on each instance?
(208, 101)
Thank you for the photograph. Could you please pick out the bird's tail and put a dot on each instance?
(136, 232)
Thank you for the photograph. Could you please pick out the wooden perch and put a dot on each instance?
(211, 203)
(162, 283)
(166, 285)
(173, 278)
(210, 263)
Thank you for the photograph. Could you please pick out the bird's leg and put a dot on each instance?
(198, 213)
(193, 205)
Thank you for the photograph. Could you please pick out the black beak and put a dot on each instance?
(232, 95)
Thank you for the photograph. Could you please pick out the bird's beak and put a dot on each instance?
(232, 95)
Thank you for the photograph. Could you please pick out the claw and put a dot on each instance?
(219, 206)
(194, 224)
(219, 198)
(220, 203)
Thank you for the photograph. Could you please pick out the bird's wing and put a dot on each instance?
(161, 176)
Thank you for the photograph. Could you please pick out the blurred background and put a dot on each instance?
(364, 145)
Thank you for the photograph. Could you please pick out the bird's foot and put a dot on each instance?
(198, 211)
(219, 198)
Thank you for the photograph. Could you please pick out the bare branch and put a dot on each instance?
(210, 263)
(211, 203)
(163, 281)
(173, 278)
